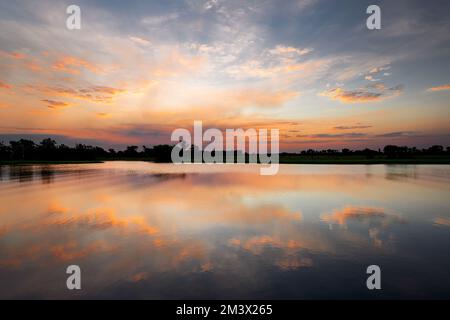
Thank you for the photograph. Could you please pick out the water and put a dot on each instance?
(154, 231)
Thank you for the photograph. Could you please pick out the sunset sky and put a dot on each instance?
(139, 69)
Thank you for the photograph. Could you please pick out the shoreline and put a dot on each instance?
(445, 161)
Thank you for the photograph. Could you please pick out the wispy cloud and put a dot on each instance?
(74, 65)
(398, 134)
(13, 55)
(140, 41)
(362, 95)
(333, 135)
(52, 104)
(440, 88)
(99, 94)
(352, 127)
(4, 85)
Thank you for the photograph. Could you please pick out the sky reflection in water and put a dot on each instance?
(142, 230)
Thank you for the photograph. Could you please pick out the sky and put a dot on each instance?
(137, 70)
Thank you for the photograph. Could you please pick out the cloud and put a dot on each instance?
(102, 219)
(4, 85)
(331, 135)
(360, 214)
(210, 4)
(34, 65)
(289, 51)
(103, 115)
(52, 104)
(352, 96)
(140, 41)
(380, 69)
(155, 21)
(13, 55)
(440, 88)
(362, 95)
(306, 4)
(74, 65)
(74, 251)
(352, 127)
(261, 68)
(371, 78)
(442, 221)
(397, 134)
(98, 94)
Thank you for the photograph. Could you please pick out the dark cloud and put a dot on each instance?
(330, 135)
(353, 127)
(92, 93)
(371, 93)
(397, 134)
(55, 104)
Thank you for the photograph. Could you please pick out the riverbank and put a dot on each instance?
(283, 160)
(361, 160)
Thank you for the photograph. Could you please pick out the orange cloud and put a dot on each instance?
(356, 213)
(33, 65)
(360, 214)
(440, 88)
(72, 251)
(73, 65)
(13, 55)
(287, 261)
(56, 208)
(29, 63)
(103, 115)
(442, 221)
(139, 276)
(4, 85)
(105, 218)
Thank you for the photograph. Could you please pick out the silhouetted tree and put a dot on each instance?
(131, 152)
(436, 149)
(48, 149)
(23, 149)
(162, 153)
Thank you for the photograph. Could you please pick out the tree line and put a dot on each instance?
(49, 149)
(389, 151)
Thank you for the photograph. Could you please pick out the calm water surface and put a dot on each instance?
(151, 231)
